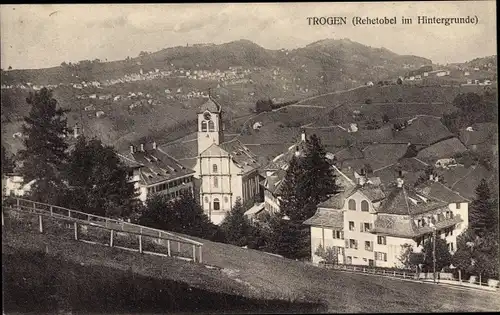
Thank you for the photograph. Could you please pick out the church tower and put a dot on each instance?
(210, 126)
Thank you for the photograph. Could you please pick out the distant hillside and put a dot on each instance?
(349, 59)
(239, 72)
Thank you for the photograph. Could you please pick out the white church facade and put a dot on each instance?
(227, 171)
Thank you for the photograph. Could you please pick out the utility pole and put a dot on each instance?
(434, 253)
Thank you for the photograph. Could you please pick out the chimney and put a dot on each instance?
(303, 135)
(132, 149)
(75, 131)
(154, 145)
(399, 180)
(142, 147)
(362, 177)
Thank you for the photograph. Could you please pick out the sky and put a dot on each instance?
(40, 36)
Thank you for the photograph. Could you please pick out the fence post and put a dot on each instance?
(194, 253)
(364, 270)
(168, 247)
(179, 246)
(383, 271)
(18, 203)
(199, 249)
(111, 238)
(76, 231)
(51, 211)
(140, 243)
(69, 213)
(404, 275)
(3, 223)
(41, 224)
(459, 275)
(394, 273)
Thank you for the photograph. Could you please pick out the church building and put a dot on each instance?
(227, 170)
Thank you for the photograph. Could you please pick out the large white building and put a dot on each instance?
(227, 170)
(367, 223)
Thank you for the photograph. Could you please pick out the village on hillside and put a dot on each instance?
(230, 177)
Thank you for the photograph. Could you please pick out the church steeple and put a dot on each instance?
(210, 127)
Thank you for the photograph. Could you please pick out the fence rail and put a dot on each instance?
(441, 277)
(79, 219)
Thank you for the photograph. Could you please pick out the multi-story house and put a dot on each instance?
(154, 172)
(368, 223)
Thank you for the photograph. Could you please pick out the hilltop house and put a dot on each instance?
(367, 223)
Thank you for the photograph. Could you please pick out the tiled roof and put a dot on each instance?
(337, 201)
(440, 192)
(373, 192)
(241, 155)
(283, 159)
(442, 149)
(404, 226)
(156, 166)
(327, 218)
(394, 225)
(404, 201)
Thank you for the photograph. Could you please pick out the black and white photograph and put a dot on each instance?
(250, 158)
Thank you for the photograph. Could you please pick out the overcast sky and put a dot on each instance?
(38, 36)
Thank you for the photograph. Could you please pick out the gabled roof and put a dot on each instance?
(241, 155)
(214, 150)
(154, 166)
(284, 159)
(327, 218)
(440, 192)
(405, 201)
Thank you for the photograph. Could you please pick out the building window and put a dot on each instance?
(451, 247)
(367, 227)
(211, 126)
(216, 182)
(381, 240)
(214, 168)
(226, 200)
(351, 225)
(204, 126)
(337, 235)
(206, 199)
(368, 246)
(353, 244)
(364, 206)
(349, 260)
(216, 204)
(457, 205)
(380, 256)
(352, 204)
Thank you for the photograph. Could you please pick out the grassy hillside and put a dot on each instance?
(71, 272)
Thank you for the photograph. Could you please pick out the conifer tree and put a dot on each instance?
(292, 199)
(99, 181)
(317, 182)
(236, 226)
(44, 157)
(483, 214)
(7, 162)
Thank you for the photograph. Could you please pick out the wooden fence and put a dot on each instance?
(80, 222)
(441, 277)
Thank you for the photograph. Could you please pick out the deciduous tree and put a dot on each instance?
(99, 181)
